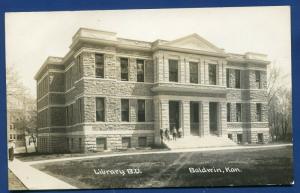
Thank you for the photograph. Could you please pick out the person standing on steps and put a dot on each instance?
(161, 135)
(174, 131)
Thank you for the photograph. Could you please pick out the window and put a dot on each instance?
(101, 144)
(239, 138)
(67, 115)
(237, 79)
(230, 136)
(125, 109)
(141, 110)
(69, 143)
(238, 112)
(99, 63)
(228, 112)
(126, 142)
(258, 112)
(227, 78)
(124, 69)
(142, 141)
(260, 138)
(72, 143)
(257, 79)
(100, 109)
(78, 61)
(140, 70)
(71, 77)
(80, 110)
(79, 143)
(212, 72)
(10, 136)
(71, 114)
(173, 70)
(193, 72)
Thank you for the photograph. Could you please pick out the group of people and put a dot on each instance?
(170, 134)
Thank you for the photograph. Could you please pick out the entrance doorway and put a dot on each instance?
(194, 118)
(260, 138)
(174, 114)
(213, 118)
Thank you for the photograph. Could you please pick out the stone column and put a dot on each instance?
(157, 121)
(160, 68)
(222, 125)
(219, 73)
(201, 126)
(161, 118)
(185, 106)
(202, 70)
(187, 71)
(206, 74)
(181, 70)
(164, 113)
(166, 69)
(205, 115)
(224, 73)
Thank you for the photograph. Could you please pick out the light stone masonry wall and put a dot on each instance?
(87, 87)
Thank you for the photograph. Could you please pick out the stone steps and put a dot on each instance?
(198, 142)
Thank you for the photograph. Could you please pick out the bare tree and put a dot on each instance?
(279, 104)
(20, 105)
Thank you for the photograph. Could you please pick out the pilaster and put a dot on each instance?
(181, 70)
(164, 113)
(202, 72)
(222, 119)
(186, 117)
(205, 120)
(166, 69)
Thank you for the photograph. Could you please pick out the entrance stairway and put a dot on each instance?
(199, 142)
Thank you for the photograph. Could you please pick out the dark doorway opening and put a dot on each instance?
(194, 118)
(213, 118)
(174, 114)
(239, 138)
(260, 138)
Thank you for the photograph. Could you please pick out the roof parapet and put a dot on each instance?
(94, 34)
(49, 60)
(256, 56)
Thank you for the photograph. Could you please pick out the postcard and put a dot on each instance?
(147, 98)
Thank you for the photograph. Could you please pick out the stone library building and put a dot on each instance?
(111, 93)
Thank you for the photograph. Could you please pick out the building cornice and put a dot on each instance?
(189, 51)
(179, 87)
(92, 36)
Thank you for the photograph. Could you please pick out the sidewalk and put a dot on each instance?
(34, 179)
(159, 152)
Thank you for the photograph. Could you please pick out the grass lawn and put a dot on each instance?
(250, 167)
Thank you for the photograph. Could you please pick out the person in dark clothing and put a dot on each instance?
(11, 149)
(162, 135)
(174, 132)
(167, 134)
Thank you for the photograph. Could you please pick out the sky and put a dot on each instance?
(33, 36)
